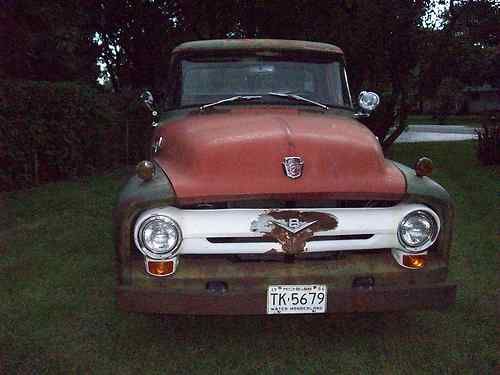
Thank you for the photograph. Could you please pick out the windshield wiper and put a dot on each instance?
(298, 98)
(231, 99)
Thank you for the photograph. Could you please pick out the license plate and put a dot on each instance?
(296, 299)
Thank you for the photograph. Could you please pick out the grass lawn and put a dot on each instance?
(465, 120)
(58, 314)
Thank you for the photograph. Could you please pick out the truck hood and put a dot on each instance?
(239, 153)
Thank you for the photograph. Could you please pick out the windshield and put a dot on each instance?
(217, 78)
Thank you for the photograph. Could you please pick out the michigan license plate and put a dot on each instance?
(296, 299)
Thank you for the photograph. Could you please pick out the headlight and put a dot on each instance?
(417, 231)
(159, 237)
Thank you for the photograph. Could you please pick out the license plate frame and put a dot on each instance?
(297, 299)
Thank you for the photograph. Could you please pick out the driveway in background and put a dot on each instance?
(436, 133)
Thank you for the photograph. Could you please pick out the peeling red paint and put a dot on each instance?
(239, 154)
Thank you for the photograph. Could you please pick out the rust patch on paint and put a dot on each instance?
(292, 229)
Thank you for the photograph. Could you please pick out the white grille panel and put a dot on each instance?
(198, 225)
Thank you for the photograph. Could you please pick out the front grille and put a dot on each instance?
(246, 231)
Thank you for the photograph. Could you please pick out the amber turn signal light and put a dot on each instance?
(161, 267)
(145, 169)
(423, 167)
(414, 261)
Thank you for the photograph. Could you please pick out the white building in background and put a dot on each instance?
(479, 99)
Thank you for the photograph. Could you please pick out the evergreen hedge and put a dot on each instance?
(52, 131)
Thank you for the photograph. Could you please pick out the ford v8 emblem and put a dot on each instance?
(292, 166)
(292, 229)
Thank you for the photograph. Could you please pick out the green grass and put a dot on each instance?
(465, 120)
(58, 313)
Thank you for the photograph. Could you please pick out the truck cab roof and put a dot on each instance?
(255, 45)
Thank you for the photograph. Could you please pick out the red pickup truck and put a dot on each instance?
(264, 194)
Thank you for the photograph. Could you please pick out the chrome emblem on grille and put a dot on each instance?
(292, 229)
(292, 166)
(294, 225)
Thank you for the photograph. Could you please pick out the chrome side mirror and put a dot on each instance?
(367, 102)
(148, 100)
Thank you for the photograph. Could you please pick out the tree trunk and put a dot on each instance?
(403, 116)
(212, 19)
(250, 19)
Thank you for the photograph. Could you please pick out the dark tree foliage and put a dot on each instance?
(385, 41)
(475, 42)
(381, 39)
(134, 40)
(488, 145)
(52, 131)
(466, 49)
(47, 40)
(199, 19)
(406, 50)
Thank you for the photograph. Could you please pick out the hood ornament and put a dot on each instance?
(293, 166)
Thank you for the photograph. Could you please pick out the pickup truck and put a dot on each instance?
(264, 194)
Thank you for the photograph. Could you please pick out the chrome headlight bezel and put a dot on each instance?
(422, 246)
(154, 253)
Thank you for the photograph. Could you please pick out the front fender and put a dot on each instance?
(426, 191)
(135, 196)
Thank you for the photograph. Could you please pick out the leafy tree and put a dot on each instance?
(381, 41)
(467, 45)
(198, 19)
(448, 96)
(391, 47)
(134, 40)
(476, 39)
(47, 40)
